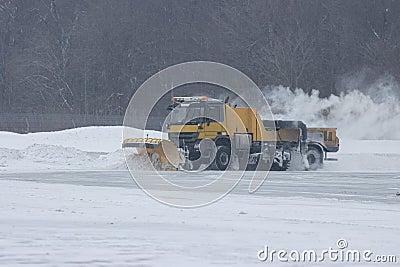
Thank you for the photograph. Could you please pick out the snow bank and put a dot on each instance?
(53, 157)
(86, 148)
(81, 149)
(93, 139)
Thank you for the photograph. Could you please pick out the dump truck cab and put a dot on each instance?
(320, 141)
(193, 118)
(326, 136)
(196, 119)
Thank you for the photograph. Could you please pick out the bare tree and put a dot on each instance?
(51, 56)
(8, 11)
(89, 56)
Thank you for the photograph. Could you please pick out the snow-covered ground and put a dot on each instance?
(55, 211)
(60, 224)
(92, 148)
(366, 156)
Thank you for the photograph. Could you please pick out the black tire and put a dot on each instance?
(315, 158)
(222, 158)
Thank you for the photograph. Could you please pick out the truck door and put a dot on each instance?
(213, 120)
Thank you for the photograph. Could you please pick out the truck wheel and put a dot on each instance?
(222, 157)
(314, 157)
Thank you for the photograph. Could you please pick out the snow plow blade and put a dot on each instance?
(163, 154)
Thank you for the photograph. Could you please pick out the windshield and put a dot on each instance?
(178, 114)
(186, 114)
(196, 112)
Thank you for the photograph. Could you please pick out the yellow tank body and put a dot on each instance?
(236, 120)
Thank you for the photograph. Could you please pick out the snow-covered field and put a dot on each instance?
(366, 156)
(59, 224)
(56, 211)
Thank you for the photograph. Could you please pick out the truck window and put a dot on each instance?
(195, 111)
(329, 136)
(184, 113)
(215, 112)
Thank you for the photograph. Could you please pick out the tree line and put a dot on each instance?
(89, 56)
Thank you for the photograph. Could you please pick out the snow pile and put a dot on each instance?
(87, 148)
(54, 157)
(81, 148)
(91, 139)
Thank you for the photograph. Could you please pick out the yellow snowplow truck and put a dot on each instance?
(195, 124)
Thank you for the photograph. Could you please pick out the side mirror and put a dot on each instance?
(199, 125)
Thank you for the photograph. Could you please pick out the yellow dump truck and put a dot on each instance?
(320, 142)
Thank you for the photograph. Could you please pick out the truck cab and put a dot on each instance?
(326, 136)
